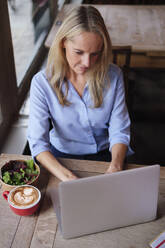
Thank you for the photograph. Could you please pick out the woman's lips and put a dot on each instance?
(83, 68)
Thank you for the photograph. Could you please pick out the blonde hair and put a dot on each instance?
(81, 19)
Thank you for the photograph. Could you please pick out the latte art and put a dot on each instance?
(24, 196)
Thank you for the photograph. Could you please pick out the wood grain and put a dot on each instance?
(41, 230)
(28, 223)
(46, 225)
(9, 223)
(78, 165)
(142, 27)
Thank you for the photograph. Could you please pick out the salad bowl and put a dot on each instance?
(19, 172)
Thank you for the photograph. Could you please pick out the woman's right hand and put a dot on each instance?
(53, 166)
(67, 175)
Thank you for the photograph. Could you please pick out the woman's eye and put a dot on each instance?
(94, 54)
(78, 52)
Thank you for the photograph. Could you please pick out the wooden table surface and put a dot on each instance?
(41, 230)
(141, 27)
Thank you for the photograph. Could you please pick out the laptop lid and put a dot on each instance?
(98, 203)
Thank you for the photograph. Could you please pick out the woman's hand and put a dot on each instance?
(66, 175)
(53, 166)
(118, 156)
(114, 168)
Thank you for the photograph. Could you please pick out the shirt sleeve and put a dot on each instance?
(38, 128)
(119, 125)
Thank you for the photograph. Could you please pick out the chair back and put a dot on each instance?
(122, 58)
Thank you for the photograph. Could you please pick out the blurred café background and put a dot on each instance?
(25, 33)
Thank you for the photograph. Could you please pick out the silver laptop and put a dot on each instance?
(108, 201)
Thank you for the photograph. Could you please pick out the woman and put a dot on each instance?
(82, 93)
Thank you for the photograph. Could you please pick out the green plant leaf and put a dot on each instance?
(30, 164)
(17, 178)
(23, 172)
(23, 176)
(6, 178)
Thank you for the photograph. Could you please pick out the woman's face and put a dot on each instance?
(83, 51)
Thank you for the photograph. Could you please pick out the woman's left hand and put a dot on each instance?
(114, 168)
(118, 155)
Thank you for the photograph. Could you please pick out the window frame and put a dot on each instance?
(12, 96)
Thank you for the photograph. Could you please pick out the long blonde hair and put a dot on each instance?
(81, 19)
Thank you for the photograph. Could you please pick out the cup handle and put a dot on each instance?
(5, 195)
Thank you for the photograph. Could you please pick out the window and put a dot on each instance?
(29, 21)
(23, 29)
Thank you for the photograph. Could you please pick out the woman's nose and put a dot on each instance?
(86, 61)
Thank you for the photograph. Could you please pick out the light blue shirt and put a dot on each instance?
(79, 128)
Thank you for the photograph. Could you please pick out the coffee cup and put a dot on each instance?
(23, 200)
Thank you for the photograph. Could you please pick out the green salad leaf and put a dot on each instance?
(19, 172)
(6, 178)
(30, 164)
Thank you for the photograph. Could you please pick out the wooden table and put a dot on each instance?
(41, 230)
(141, 27)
